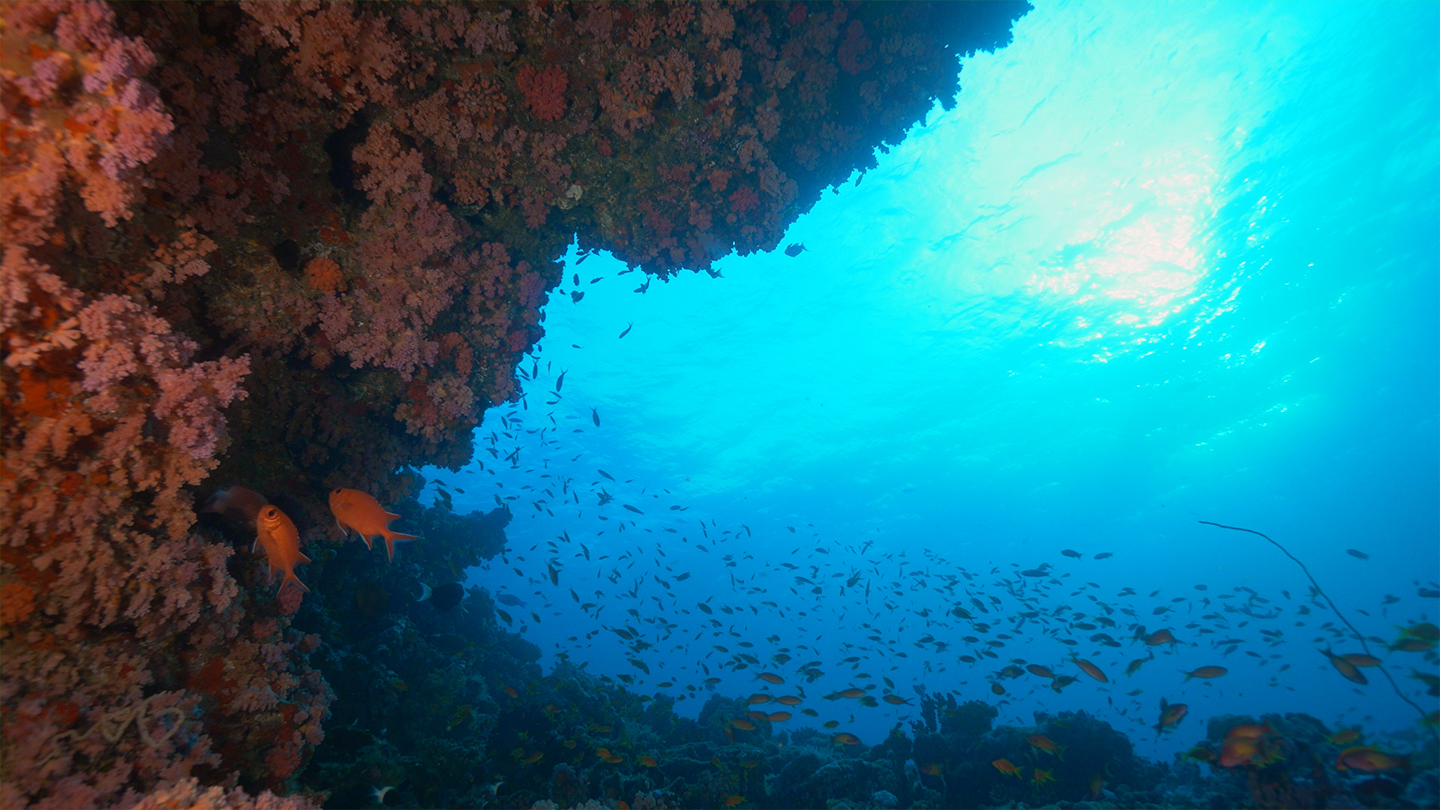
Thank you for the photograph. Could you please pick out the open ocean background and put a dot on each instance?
(1161, 263)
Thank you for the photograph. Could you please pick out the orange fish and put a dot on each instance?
(1043, 743)
(1425, 631)
(778, 717)
(1249, 731)
(932, 769)
(770, 677)
(997, 689)
(1201, 754)
(852, 692)
(358, 512)
(276, 533)
(1160, 637)
(1041, 776)
(758, 698)
(1044, 672)
(845, 738)
(832, 724)
(1343, 736)
(533, 758)
(1091, 670)
(1238, 751)
(1369, 759)
(788, 700)
(1096, 783)
(1345, 668)
(1205, 673)
(1136, 664)
(1361, 660)
(1408, 644)
(731, 801)
(1170, 716)
(648, 762)
(896, 700)
(743, 725)
(1006, 767)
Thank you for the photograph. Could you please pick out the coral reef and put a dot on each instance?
(349, 214)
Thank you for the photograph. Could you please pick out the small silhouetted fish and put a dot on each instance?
(576, 296)
(1199, 587)
(1070, 552)
(1102, 555)
(1359, 555)
(595, 415)
(607, 475)
(627, 331)
(510, 599)
(632, 509)
(1429, 593)
(560, 381)
(795, 249)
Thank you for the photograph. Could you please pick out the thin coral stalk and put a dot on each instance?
(1358, 635)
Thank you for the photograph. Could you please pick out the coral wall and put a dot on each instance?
(301, 245)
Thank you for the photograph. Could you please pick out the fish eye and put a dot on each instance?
(336, 491)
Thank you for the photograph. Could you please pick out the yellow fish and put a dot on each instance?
(358, 512)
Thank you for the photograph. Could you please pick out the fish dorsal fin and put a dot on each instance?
(391, 515)
(302, 558)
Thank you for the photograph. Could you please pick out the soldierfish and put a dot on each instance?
(276, 533)
(361, 513)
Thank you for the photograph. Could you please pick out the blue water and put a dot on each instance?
(1161, 263)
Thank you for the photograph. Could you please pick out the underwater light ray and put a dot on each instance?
(1381, 666)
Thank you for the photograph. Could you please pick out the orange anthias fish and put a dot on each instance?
(852, 692)
(276, 533)
(1361, 660)
(1238, 751)
(778, 717)
(1006, 767)
(1043, 743)
(743, 725)
(1170, 716)
(361, 513)
(1041, 776)
(1091, 670)
(1160, 637)
(1345, 668)
(770, 677)
(1043, 672)
(1344, 735)
(1136, 664)
(1250, 731)
(1205, 673)
(845, 738)
(1368, 759)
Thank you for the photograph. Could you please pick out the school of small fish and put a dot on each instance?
(854, 616)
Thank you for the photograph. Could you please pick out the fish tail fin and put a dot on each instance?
(289, 579)
(391, 538)
(424, 592)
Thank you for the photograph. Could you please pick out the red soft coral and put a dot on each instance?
(544, 90)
